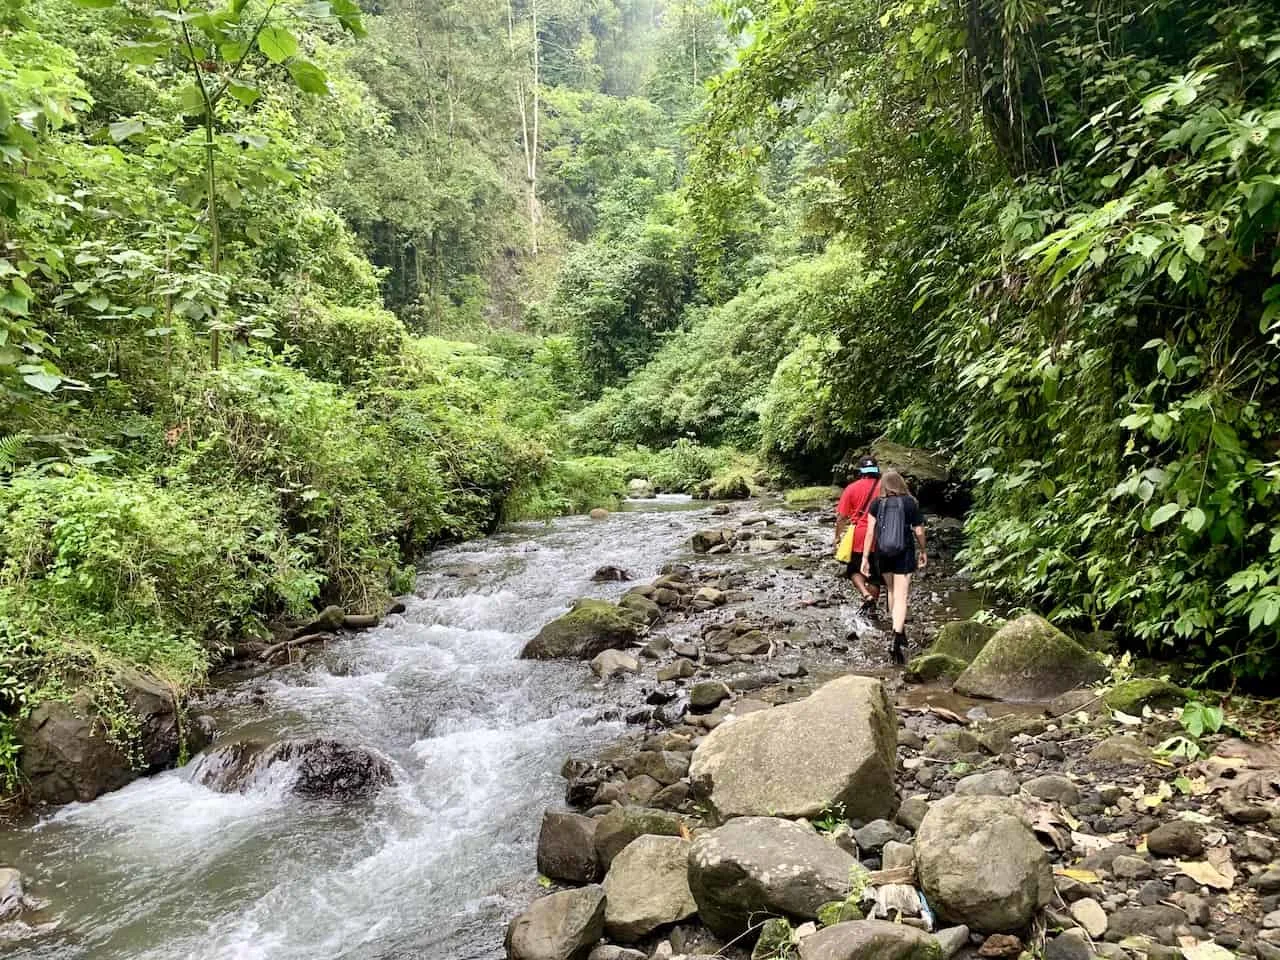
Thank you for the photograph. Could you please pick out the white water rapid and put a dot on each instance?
(432, 867)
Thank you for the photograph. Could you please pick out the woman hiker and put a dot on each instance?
(852, 509)
(895, 526)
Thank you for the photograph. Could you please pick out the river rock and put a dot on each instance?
(934, 666)
(13, 896)
(318, 768)
(567, 847)
(562, 926)
(647, 887)
(869, 940)
(961, 639)
(1028, 659)
(664, 766)
(68, 756)
(640, 489)
(767, 865)
(591, 627)
(1089, 914)
(621, 825)
(836, 746)
(1121, 749)
(642, 607)
(705, 541)
(1140, 921)
(1055, 787)
(1130, 696)
(979, 863)
(1177, 838)
(611, 663)
(994, 783)
(679, 669)
(608, 951)
(599, 513)
(705, 695)
(951, 940)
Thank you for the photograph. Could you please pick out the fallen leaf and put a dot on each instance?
(1204, 874)
(1195, 816)
(1220, 858)
(1088, 842)
(1079, 873)
(1128, 719)
(1206, 950)
(1069, 820)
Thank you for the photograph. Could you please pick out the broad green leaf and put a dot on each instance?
(1194, 519)
(277, 44)
(246, 93)
(143, 54)
(190, 100)
(44, 382)
(98, 302)
(308, 77)
(124, 129)
(1164, 513)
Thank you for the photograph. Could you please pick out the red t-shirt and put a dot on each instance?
(853, 504)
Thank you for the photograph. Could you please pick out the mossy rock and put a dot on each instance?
(1028, 659)
(838, 911)
(590, 628)
(962, 639)
(918, 466)
(729, 486)
(933, 666)
(809, 497)
(642, 607)
(1130, 696)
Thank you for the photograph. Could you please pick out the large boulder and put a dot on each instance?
(755, 865)
(647, 887)
(926, 473)
(980, 864)
(1028, 659)
(621, 825)
(68, 753)
(317, 768)
(590, 628)
(836, 747)
(567, 847)
(562, 926)
(962, 639)
(869, 940)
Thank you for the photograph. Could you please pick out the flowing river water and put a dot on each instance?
(432, 867)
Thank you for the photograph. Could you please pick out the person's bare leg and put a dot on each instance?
(898, 600)
(865, 588)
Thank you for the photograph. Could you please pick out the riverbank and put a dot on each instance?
(1044, 823)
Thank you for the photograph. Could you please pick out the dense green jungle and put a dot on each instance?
(292, 290)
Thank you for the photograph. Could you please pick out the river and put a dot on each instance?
(430, 869)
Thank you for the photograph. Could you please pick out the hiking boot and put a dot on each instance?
(868, 608)
(899, 648)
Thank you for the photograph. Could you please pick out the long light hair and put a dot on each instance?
(892, 484)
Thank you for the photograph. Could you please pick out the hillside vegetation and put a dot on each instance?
(290, 292)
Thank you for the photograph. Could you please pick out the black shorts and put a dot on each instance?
(904, 562)
(855, 566)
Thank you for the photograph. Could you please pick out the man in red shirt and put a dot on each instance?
(852, 508)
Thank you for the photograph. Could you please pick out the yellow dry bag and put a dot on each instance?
(844, 552)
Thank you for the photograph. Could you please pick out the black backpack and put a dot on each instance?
(891, 527)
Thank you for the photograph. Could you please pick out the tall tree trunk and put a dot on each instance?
(528, 101)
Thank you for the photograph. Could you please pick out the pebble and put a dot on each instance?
(911, 812)
(952, 940)
(1152, 892)
(1177, 838)
(1131, 868)
(1054, 787)
(1000, 945)
(996, 783)
(876, 834)
(1067, 946)
(1090, 915)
